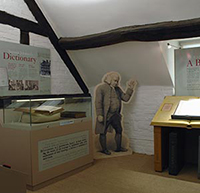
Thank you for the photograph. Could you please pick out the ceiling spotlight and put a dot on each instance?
(170, 46)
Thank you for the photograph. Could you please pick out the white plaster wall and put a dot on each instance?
(168, 55)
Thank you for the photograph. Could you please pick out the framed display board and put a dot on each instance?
(187, 72)
(24, 70)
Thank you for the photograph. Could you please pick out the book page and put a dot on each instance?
(46, 108)
(52, 102)
(188, 108)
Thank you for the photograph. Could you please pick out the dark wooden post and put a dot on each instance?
(24, 37)
(158, 149)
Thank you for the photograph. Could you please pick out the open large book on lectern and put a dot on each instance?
(187, 109)
(178, 111)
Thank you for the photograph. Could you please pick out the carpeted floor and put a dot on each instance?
(145, 164)
(133, 173)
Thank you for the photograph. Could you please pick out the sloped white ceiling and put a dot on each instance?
(141, 61)
(82, 17)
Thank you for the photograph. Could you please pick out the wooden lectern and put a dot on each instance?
(164, 124)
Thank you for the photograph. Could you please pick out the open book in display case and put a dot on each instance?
(46, 136)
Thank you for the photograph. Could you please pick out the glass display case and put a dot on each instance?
(29, 112)
(46, 136)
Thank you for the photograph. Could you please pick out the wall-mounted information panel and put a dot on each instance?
(187, 72)
(24, 69)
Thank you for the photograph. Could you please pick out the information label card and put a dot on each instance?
(59, 150)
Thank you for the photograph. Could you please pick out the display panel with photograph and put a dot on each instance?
(24, 69)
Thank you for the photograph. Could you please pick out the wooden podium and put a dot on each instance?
(164, 124)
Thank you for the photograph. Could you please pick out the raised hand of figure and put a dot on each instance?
(132, 84)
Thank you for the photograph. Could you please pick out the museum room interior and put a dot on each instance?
(71, 71)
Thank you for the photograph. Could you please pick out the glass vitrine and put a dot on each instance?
(28, 112)
(46, 136)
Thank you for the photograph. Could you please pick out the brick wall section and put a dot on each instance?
(9, 34)
(62, 82)
(139, 112)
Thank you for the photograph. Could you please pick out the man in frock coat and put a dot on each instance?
(108, 109)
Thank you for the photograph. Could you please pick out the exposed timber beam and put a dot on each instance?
(39, 16)
(24, 38)
(21, 23)
(151, 32)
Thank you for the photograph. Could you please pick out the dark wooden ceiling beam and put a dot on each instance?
(21, 23)
(151, 32)
(39, 16)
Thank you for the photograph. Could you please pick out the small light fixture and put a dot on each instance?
(170, 46)
(191, 46)
(49, 99)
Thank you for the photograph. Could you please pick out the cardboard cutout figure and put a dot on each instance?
(108, 103)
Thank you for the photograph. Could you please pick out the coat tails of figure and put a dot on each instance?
(108, 103)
